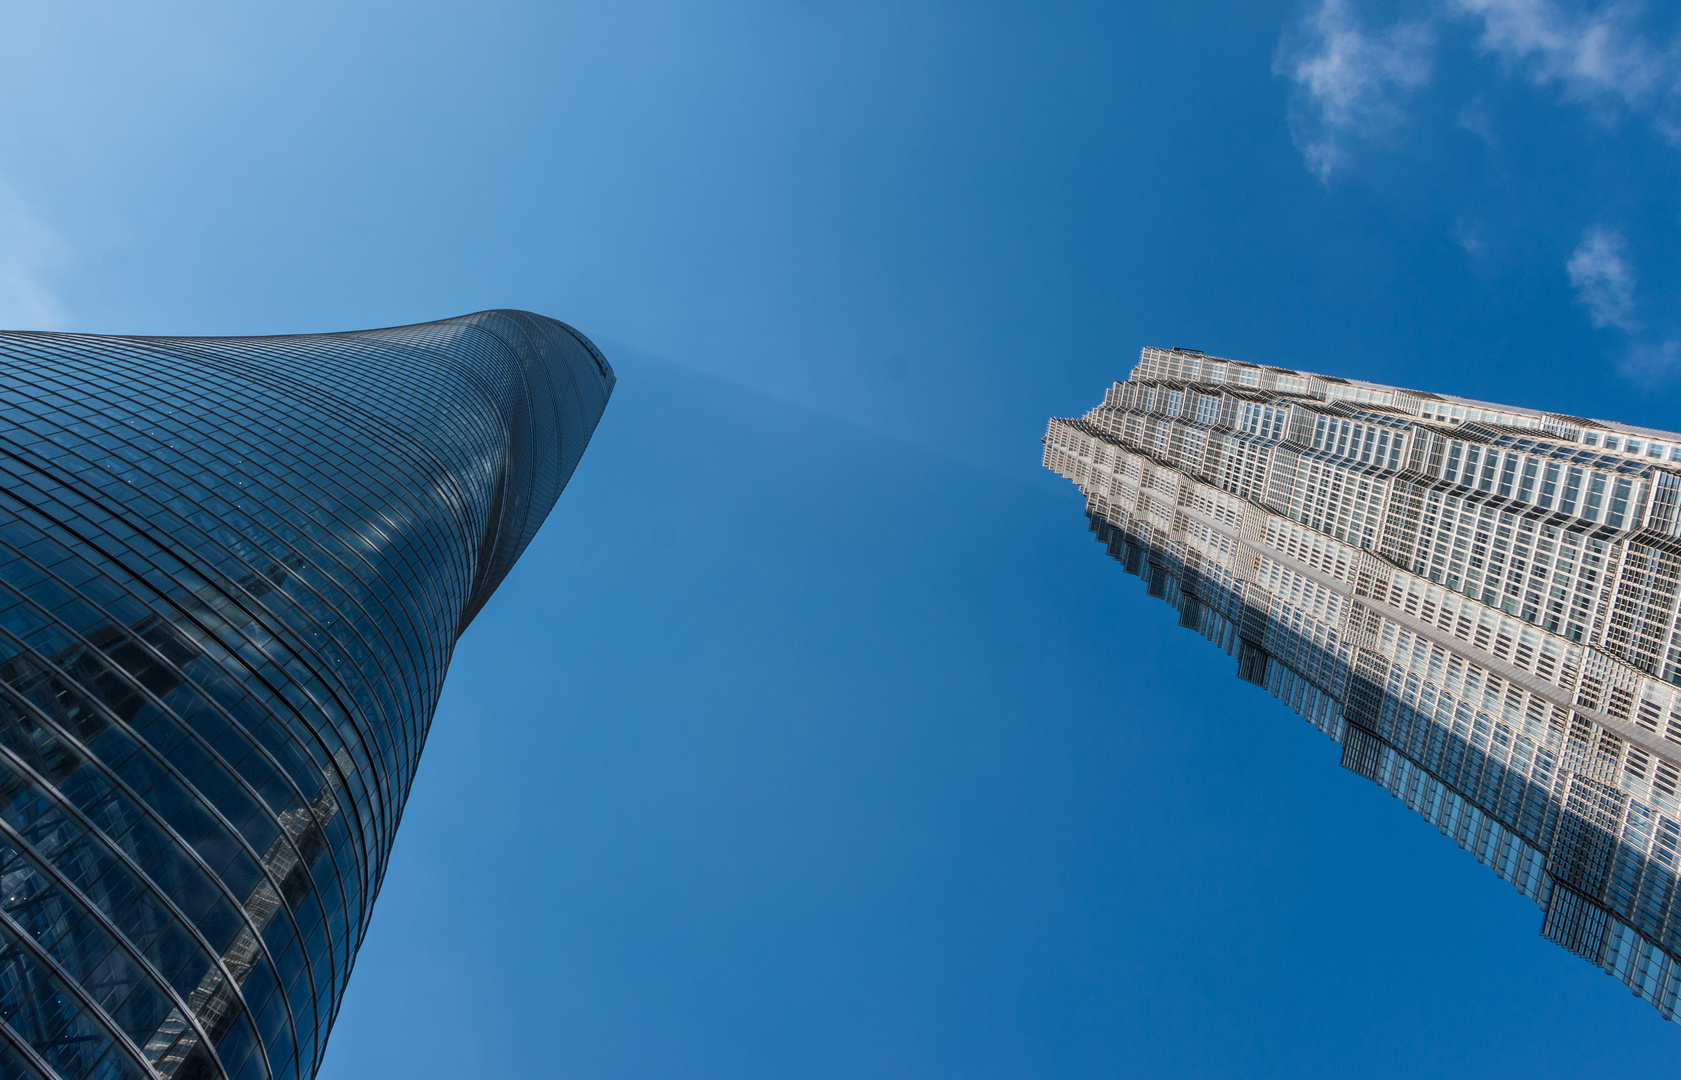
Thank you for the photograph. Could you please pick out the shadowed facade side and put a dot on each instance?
(232, 573)
(1478, 602)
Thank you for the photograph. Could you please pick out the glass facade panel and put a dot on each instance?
(232, 572)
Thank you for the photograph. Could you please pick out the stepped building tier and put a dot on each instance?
(232, 573)
(1477, 601)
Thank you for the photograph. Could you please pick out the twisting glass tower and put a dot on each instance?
(1479, 602)
(232, 572)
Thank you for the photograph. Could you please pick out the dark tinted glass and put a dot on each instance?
(231, 575)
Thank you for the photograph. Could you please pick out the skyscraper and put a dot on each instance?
(232, 572)
(1477, 601)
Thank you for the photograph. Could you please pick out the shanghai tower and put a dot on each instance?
(232, 574)
(1480, 603)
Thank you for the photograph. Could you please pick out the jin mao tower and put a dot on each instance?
(1477, 601)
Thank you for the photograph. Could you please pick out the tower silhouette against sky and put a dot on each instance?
(1477, 601)
(232, 572)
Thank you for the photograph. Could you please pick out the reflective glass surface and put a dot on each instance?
(232, 572)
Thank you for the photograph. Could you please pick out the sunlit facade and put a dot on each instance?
(232, 572)
(1478, 602)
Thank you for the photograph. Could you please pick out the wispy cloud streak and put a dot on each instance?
(1605, 284)
(1652, 366)
(1596, 56)
(1348, 81)
(1602, 279)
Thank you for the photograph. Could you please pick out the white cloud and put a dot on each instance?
(1595, 55)
(1652, 365)
(1347, 80)
(30, 255)
(1475, 119)
(1603, 282)
(1469, 236)
(1349, 83)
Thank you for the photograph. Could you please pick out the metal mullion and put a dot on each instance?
(36, 1061)
(187, 616)
(425, 453)
(350, 593)
(112, 848)
(89, 908)
(215, 705)
(414, 667)
(168, 599)
(169, 767)
(150, 456)
(411, 508)
(88, 757)
(279, 382)
(285, 384)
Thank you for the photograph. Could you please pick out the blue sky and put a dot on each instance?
(814, 736)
